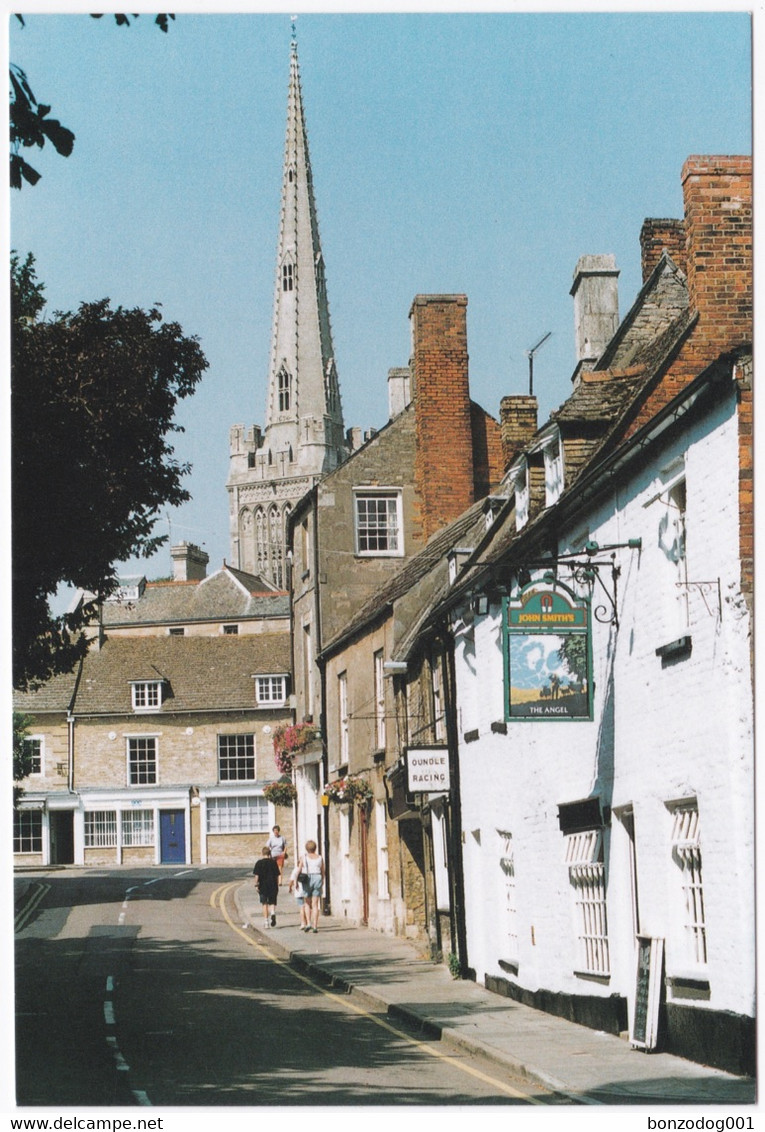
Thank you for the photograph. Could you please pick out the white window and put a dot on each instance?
(587, 874)
(686, 852)
(271, 690)
(100, 829)
(342, 707)
(439, 831)
(379, 701)
(308, 670)
(33, 753)
(553, 457)
(437, 689)
(345, 854)
(137, 827)
(236, 758)
(508, 900)
(27, 831)
(520, 477)
(237, 815)
(378, 523)
(142, 760)
(381, 829)
(147, 695)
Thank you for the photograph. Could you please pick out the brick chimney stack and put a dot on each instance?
(655, 236)
(717, 192)
(518, 423)
(440, 388)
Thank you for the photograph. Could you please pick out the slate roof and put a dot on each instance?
(227, 595)
(200, 673)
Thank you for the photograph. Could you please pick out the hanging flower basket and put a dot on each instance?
(280, 793)
(350, 789)
(290, 740)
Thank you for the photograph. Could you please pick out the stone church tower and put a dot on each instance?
(271, 469)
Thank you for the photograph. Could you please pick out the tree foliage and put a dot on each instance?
(93, 397)
(30, 124)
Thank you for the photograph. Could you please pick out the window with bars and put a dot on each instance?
(509, 901)
(236, 758)
(248, 814)
(142, 761)
(27, 831)
(271, 690)
(686, 851)
(378, 523)
(587, 873)
(100, 829)
(137, 828)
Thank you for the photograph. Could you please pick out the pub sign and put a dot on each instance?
(547, 654)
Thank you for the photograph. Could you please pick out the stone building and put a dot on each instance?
(270, 469)
(361, 523)
(158, 747)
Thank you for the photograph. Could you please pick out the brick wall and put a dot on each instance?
(518, 424)
(444, 459)
(655, 236)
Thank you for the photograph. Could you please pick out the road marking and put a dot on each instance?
(109, 1013)
(25, 914)
(217, 899)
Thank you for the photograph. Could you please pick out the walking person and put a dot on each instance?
(297, 888)
(311, 868)
(266, 873)
(278, 846)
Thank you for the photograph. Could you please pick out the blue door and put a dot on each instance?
(172, 837)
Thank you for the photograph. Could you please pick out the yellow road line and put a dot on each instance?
(25, 913)
(218, 900)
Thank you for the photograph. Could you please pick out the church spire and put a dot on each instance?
(303, 405)
(271, 469)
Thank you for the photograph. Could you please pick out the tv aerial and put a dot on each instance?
(530, 355)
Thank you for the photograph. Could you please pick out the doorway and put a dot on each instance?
(172, 837)
(61, 828)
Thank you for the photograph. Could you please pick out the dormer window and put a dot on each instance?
(271, 691)
(147, 695)
(553, 455)
(520, 477)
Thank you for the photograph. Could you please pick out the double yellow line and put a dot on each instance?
(24, 915)
(218, 900)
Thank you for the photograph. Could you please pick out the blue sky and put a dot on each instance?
(451, 153)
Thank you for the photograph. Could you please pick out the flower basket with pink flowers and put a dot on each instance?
(350, 789)
(289, 740)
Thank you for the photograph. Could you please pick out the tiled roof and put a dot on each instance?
(227, 595)
(200, 673)
(54, 696)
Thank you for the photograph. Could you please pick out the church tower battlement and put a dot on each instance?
(270, 469)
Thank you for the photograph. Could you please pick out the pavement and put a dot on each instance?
(388, 975)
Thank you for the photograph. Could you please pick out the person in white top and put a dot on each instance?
(311, 874)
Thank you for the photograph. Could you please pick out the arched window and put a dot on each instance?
(284, 389)
(276, 547)
(288, 277)
(261, 544)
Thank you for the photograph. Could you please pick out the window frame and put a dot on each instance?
(100, 829)
(236, 804)
(39, 757)
(520, 476)
(143, 831)
(151, 692)
(131, 745)
(372, 529)
(585, 862)
(379, 686)
(27, 840)
(552, 451)
(237, 740)
(688, 857)
(269, 700)
(342, 711)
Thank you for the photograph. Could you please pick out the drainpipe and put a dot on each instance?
(455, 808)
(70, 753)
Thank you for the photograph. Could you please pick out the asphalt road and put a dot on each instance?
(138, 987)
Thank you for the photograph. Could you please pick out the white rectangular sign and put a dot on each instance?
(427, 770)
